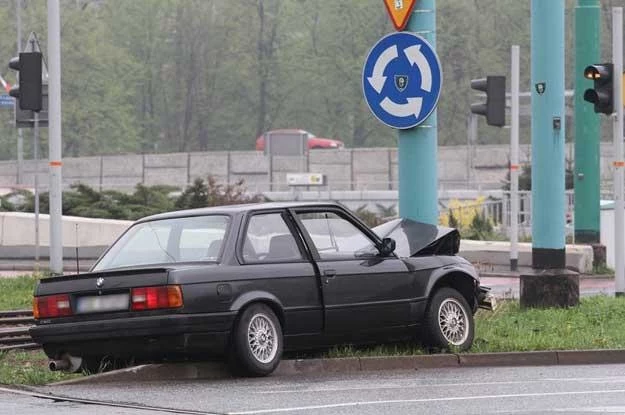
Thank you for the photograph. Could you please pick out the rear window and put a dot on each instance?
(189, 239)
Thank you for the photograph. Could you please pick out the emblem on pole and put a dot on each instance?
(540, 88)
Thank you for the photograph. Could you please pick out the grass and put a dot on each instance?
(28, 368)
(17, 292)
(597, 323)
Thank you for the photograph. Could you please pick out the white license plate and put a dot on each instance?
(101, 303)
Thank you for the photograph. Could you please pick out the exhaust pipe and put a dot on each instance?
(55, 365)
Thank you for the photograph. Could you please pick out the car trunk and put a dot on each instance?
(101, 292)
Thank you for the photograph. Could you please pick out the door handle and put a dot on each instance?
(329, 274)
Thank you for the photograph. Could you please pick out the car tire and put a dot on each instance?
(448, 321)
(257, 341)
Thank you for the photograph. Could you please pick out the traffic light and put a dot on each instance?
(28, 93)
(602, 95)
(494, 109)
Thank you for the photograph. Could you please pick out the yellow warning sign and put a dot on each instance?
(399, 11)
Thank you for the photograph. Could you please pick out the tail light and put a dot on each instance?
(52, 306)
(153, 298)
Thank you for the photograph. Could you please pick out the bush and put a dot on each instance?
(85, 201)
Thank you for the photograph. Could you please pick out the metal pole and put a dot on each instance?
(36, 157)
(548, 127)
(468, 153)
(587, 146)
(473, 127)
(54, 138)
(619, 207)
(514, 158)
(417, 149)
(20, 136)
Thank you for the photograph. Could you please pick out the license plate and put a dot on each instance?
(101, 303)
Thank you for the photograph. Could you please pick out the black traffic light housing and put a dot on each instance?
(494, 109)
(29, 91)
(602, 94)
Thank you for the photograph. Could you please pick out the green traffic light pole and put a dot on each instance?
(587, 142)
(417, 148)
(550, 284)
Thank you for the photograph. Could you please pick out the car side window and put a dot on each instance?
(269, 239)
(336, 237)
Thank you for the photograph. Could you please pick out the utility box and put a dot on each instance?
(287, 143)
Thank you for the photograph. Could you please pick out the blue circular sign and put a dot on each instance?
(402, 80)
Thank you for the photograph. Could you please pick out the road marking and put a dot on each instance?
(618, 379)
(402, 401)
(599, 409)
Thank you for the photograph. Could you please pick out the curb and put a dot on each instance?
(511, 274)
(219, 370)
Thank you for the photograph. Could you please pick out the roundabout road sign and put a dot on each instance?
(402, 80)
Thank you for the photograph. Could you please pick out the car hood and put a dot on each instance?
(420, 239)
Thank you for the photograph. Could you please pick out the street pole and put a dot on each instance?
(550, 284)
(587, 141)
(619, 164)
(54, 138)
(471, 142)
(20, 137)
(417, 148)
(36, 157)
(514, 158)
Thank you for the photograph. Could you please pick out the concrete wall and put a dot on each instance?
(91, 236)
(459, 167)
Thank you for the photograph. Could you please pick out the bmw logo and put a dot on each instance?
(99, 282)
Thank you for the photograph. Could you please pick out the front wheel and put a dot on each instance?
(257, 341)
(448, 321)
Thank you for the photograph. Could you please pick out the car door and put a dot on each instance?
(275, 262)
(363, 292)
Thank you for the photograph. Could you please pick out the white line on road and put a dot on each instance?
(402, 401)
(618, 379)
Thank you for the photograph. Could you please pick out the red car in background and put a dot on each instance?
(313, 142)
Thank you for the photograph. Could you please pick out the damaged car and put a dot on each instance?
(248, 282)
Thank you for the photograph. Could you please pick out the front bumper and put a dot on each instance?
(485, 299)
(150, 336)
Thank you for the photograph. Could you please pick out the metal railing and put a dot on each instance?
(497, 211)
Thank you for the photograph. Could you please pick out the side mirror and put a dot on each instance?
(387, 247)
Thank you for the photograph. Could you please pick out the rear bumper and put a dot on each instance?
(150, 336)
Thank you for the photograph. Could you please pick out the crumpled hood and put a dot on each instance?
(414, 238)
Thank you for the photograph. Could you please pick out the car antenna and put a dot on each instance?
(77, 259)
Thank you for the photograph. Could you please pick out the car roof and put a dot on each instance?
(234, 209)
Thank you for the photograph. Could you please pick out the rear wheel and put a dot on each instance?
(448, 321)
(257, 341)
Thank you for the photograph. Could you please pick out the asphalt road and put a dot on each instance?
(11, 404)
(518, 390)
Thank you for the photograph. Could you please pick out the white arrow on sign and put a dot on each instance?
(413, 107)
(415, 56)
(378, 79)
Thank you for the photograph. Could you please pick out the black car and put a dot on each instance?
(251, 281)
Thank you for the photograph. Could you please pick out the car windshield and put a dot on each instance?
(188, 239)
